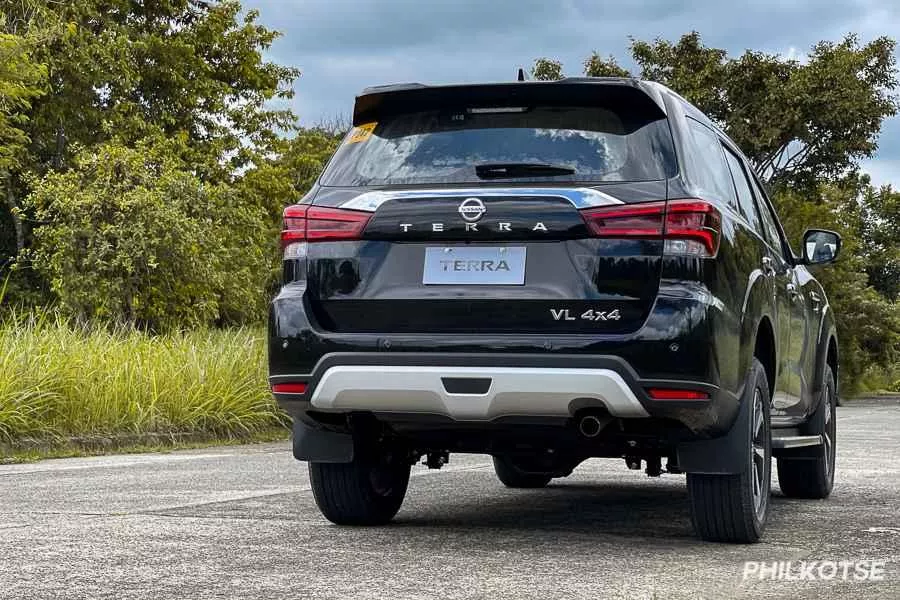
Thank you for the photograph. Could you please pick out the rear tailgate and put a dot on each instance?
(422, 229)
(530, 265)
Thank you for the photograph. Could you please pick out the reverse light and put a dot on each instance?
(689, 226)
(289, 388)
(676, 394)
(696, 221)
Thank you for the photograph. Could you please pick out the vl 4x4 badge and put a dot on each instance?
(562, 314)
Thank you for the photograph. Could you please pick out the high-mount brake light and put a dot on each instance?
(305, 223)
(689, 226)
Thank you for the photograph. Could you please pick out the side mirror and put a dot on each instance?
(820, 246)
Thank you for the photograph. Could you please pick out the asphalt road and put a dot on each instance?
(240, 522)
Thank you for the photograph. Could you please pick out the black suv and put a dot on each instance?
(548, 272)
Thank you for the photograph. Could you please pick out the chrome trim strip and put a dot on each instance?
(579, 197)
(513, 391)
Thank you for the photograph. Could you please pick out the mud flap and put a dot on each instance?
(726, 454)
(319, 445)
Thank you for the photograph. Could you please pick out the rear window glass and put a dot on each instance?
(446, 146)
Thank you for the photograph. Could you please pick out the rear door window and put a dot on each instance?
(768, 220)
(585, 144)
(711, 169)
(744, 194)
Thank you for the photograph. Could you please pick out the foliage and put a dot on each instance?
(283, 180)
(121, 72)
(21, 81)
(188, 68)
(880, 233)
(131, 235)
(140, 142)
(58, 379)
(546, 69)
(798, 122)
(597, 66)
(868, 323)
(805, 125)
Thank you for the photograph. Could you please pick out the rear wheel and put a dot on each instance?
(512, 475)
(814, 477)
(734, 507)
(367, 491)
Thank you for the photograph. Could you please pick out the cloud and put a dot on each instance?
(343, 46)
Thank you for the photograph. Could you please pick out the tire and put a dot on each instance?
(814, 477)
(362, 492)
(513, 477)
(734, 508)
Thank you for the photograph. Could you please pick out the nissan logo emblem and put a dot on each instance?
(472, 209)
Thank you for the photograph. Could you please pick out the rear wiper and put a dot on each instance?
(504, 170)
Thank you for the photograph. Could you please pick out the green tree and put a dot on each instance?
(133, 235)
(597, 66)
(191, 70)
(805, 125)
(799, 122)
(21, 81)
(188, 68)
(291, 172)
(285, 177)
(880, 235)
(546, 69)
(868, 323)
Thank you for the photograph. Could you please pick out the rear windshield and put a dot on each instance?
(446, 146)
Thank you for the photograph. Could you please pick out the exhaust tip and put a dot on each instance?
(590, 426)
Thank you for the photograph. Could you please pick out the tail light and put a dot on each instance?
(688, 226)
(305, 223)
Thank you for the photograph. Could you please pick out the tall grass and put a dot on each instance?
(59, 380)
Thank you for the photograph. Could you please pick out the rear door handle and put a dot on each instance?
(792, 291)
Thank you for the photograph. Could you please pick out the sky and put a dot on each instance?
(342, 46)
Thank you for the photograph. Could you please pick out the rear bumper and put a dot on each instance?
(474, 393)
(485, 388)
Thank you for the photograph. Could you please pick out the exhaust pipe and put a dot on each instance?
(590, 426)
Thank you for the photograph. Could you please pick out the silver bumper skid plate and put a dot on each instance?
(499, 391)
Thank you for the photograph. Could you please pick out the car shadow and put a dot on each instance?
(644, 509)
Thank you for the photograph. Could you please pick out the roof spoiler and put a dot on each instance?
(637, 96)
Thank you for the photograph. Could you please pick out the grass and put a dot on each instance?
(76, 447)
(60, 382)
(879, 380)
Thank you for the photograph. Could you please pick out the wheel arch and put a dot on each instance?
(758, 329)
(765, 349)
(827, 353)
(831, 357)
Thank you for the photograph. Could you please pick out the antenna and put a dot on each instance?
(521, 76)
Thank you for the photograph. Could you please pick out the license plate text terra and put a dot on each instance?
(474, 266)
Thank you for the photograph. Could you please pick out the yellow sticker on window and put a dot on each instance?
(361, 133)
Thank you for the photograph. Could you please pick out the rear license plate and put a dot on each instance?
(474, 265)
